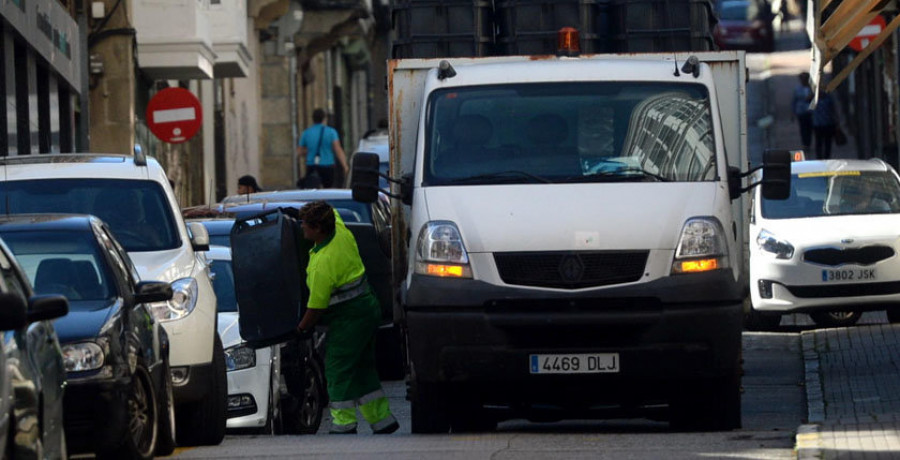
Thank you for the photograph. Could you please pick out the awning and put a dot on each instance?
(844, 20)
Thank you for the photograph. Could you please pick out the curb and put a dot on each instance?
(808, 442)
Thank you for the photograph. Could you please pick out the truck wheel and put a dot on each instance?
(757, 321)
(428, 409)
(203, 422)
(835, 318)
(707, 405)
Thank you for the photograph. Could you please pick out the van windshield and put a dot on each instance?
(569, 132)
(137, 211)
(830, 193)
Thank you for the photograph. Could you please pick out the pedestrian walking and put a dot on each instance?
(318, 151)
(800, 110)
(783, 15)
(247, 184)
(824, 122)
(340, 297)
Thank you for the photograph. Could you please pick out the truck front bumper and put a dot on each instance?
(664, 334)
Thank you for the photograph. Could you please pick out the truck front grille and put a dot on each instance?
(570, 269)
(832, 257)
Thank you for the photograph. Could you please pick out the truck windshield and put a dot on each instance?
(831, 193)
(136, 211)
(569, 132)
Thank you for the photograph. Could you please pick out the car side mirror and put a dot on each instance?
(364, 182)
(199, 236)
(44, 307)
(776, 178)
(152, 291)
(12, 312)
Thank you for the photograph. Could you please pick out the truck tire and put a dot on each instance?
(707, 405)
(835, 318)
(429, 412)
(203, 423)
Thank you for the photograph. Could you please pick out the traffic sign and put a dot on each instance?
(868, 33)
(174, 115)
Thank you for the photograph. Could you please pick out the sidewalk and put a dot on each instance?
(852, 374)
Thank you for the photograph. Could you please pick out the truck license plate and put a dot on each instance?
(862, 274)
(586, 363)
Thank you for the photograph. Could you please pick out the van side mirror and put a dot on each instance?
(12, 312)
(152, 291)
(364, 182)
(776, 178)
(44, 307)
(199, 236)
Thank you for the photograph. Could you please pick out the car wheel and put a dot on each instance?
(428, 409)
(893, 316)
(302, 413)
(141, 433)
(707, 405)
(203, 422)
(757, 321)
(835, 318)
(165, 443)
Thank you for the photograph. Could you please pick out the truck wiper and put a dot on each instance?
(629, 174)
(501, 174)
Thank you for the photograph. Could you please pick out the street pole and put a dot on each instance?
(292, 72)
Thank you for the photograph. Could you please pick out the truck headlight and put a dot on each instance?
(84, 356)
(768, 242)
(239, 357)
(701, 246)
(440, 251)
(184, 299)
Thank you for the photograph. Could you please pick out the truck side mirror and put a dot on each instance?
(776, 179)
(364, 182)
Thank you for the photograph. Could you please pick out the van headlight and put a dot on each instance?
(182, 303)
(768, 242)
(239, 357)
(701, 247)
(440, 251)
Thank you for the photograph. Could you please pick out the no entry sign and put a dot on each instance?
(868, 33)
(174, 115)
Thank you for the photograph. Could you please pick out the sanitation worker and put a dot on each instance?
(340, 297)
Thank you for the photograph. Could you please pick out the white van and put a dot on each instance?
(133, 196)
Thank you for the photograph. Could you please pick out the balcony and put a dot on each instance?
(229, 38)
(174, 39)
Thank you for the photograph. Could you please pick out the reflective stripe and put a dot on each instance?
(383, 423)
(372, 396)
(349, 291)
(343, 404)
(342, 428)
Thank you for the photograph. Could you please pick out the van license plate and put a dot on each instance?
(586, 363)
(863, 274)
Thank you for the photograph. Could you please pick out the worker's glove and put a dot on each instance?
(305, 334)
(289, 211)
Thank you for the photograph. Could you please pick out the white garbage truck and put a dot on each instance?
(569, 236)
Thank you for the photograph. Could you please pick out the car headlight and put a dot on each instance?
(182, 303)
(239, 357)
(440, 251)
(768, 242)
(701, 246)
(84, 356)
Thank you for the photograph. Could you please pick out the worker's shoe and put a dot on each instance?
(338, 429)
(388, 429)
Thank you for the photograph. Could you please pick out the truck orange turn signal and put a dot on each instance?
(701, 265)
(567, 42)
(454, 271)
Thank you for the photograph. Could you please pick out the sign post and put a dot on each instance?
(174, 115)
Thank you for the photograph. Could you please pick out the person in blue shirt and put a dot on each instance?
(824, 121)
(801, 111)
(320, 151)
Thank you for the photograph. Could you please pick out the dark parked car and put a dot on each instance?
(745, 25)
(32, 374)
(118, 401)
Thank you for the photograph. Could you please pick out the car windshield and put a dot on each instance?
(137, 211)
(738, 11)
(569, 132)
(62, 262)
(832, 193)
(223, 285)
